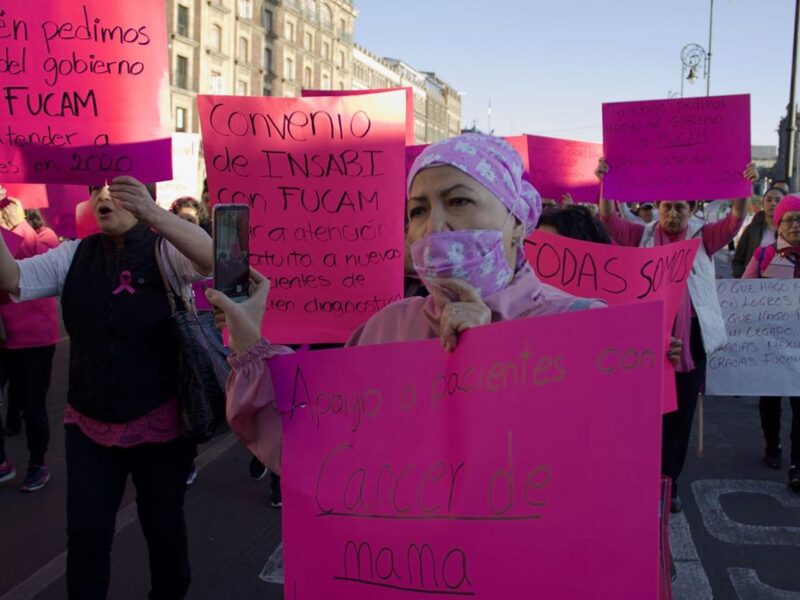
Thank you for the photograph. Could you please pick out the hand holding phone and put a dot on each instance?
(231, 228)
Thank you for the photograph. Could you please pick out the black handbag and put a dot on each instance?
(203, 367)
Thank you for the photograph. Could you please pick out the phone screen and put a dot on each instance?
(231, 250)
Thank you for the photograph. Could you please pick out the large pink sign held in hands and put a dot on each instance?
(527, 471)
(324, 179)
(559, 167)
(619, 275)
(684, 149)
(79, 78)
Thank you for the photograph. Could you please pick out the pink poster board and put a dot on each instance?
(31, 195)
(410, 135)
(682, 149)
(12, 240)
(324, 181)
(518, 142)
(531, 471)
(85, 223)
(60, 214)
(82, 77)
(620, 275)
(559, 167)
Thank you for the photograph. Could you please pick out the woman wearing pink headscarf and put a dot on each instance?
(469, 210)
(780, 260)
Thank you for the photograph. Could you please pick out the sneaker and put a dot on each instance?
(275, 498)
(772, 458)
(7, 471)
(675, 505)
(794, 478)
(192, 475)
(257, 469)
(35, 479)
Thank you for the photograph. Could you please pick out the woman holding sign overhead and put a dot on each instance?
(122, 416)
(699, 323)
(469, 211)
(780, 260)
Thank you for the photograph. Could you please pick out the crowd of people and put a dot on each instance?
(469, 192)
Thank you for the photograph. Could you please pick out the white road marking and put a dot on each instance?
(44, 577)
(273, 570)
(691, 582)
(708, 492)
(749, 587)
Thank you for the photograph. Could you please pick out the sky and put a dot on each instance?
(548, 65)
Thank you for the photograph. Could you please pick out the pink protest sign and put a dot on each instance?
(60, 214)
(85, 223)
(684, 149)
(410, 136)
(12, 240)
(559, 167)
(31, 195)
(324, 181)
(530, 471)
(518, 142)
(78, 75)
(620, 275)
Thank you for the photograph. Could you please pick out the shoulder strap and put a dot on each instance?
(167, 287)
(762, 253)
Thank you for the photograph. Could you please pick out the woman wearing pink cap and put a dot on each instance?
(780, 260)
(468, 212)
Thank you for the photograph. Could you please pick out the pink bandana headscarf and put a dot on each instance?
(493, 163)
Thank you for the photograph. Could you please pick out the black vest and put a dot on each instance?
(123, 354)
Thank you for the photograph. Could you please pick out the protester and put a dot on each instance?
(574, 222)
(782, 185)
(189, 209)
(780, 260)
(26, 355)
(122, 416)
(466, 190)
(759, 233)
(699, 324)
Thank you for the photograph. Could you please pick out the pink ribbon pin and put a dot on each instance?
(124, 284)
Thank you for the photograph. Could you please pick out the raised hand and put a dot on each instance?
(243, 319)
(461, 308)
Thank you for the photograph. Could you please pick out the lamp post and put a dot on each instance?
(791, 125)
(694, 62)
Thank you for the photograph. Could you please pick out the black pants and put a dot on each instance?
(96, 477)
(677, 425)
(770, 409)
(27, 372)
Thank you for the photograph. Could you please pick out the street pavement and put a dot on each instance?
(737, 539)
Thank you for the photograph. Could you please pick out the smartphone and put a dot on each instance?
(231, 229)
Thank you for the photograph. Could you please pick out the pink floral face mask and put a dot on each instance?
(472, 255)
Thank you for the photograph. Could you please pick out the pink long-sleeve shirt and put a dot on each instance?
(33, 324)
(252, 411)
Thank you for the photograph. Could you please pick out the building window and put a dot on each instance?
(266, 91)
(241, 88)
(341, 58)
(182, 72)
(288, 31)
(216, 38)
(183, 20)
(343, 26)
(217, 83)
(308, 77)
(246, 9)
(267, 59)
(288, 68)
(326, 81)
(180, 119)
(326, 50)
(244, 50)
(308, 41)
(266, 20)
(326, 16)
(341, 85)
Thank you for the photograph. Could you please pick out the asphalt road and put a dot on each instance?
(737, 539)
